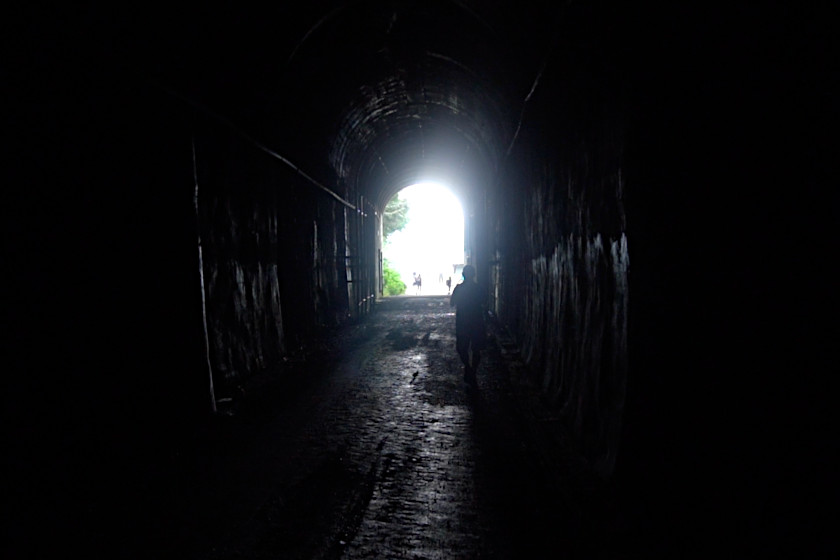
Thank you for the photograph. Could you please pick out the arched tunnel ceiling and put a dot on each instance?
(396, 132)
(383, 92)
(415, 91)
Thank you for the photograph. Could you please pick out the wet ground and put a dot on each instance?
(389, 454)
(373, 446)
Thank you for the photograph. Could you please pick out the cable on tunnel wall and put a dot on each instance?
(225, 121)
(524, 105)
(201, 277)
(534, 85)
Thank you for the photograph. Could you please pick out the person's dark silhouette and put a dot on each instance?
(470, 333)
(448, 285)
(418, 281)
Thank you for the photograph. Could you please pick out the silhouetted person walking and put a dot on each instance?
(470, 334)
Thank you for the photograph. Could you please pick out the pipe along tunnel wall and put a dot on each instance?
(650, 226)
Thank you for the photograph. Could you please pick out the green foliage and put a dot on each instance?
(393, 285)
(395, 216)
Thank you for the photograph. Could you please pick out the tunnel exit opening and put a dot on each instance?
(429, 243)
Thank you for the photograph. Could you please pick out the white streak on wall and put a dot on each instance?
(201, 277)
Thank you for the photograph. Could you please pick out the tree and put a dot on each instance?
(395, 216)
(394, 286)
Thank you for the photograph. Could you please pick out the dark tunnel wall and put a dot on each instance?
(561, 250)
(239, 211)
(105, 329)
(104, 340)
(725, 160)
(283, 259)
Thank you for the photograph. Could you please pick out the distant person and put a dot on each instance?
(470, 334)
(418, 283)
(448, 285)
(440, 278)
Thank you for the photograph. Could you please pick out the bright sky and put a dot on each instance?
(433, 239)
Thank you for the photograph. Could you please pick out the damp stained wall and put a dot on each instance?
(562, 255)
(277, 268)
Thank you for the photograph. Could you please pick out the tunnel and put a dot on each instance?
(197, 198)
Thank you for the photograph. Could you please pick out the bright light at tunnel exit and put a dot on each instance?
(432, 242)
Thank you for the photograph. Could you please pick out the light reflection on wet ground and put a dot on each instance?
(392, 455)
(424, 503)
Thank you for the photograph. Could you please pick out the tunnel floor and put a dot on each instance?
(374, 447)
